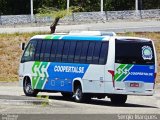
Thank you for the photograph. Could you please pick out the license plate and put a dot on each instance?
(134, 85)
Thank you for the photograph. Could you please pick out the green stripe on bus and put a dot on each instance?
(53, 37)
(38, 81)
(35, 65)
(117, 75)
(35, 80)
(41, 81)
(49, 37)
(43, 65)
(35, 74)
(124, 75)
(57, 37)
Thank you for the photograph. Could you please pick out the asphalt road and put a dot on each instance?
(13, 101)
(115, 26)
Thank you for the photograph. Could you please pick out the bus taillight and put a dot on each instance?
(112, 73)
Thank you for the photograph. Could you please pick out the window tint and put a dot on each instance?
(38, 50)
(29, 52)
(104, 53)
(84, 51)
(53, 51)
(44, 42)
(90, 52)
(96, 53)
(78, 51)
(66, 51)
(47, 50)
(59, 51)
(72, 51)
(131, 52)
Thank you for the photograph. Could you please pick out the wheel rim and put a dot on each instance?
(78, 94)
(28, 88)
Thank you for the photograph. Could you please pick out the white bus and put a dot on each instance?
(87, 66)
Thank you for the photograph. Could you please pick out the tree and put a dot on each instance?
(86, 5)
(58, 4)
(108, 5)
(54, 13)
(14, 7)
(10, 7)
(116, 5)
(150, 4)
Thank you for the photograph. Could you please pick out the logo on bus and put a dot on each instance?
(147, 53)
(69, 69)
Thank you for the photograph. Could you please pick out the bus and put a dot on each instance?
(87, 66)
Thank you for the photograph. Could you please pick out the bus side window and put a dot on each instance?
(54, 51)
(29, 52)
(78, 51)
(71, 51)
(90, 52)
(43, 50)
(104, 53)
(38, 50)
(84, 52)
(59, 51)
(47, 50)
(96, 53)
(65, 51)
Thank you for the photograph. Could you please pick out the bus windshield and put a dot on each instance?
(128, 51)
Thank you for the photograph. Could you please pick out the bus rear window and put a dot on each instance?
(129, 51)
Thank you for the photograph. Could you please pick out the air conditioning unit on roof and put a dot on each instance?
(95, 33)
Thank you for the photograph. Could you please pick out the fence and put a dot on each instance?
(79, 17)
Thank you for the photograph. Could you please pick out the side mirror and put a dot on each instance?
(22, 46)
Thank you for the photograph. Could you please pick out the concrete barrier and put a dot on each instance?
(83, 17)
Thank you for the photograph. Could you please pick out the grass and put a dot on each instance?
(10, 52)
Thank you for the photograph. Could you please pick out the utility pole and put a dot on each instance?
(31, 2)
(101, 5)
(68, 5)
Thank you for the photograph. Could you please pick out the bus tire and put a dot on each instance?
(66, 95)
(27, 88)
(118, 99)
(79, 96)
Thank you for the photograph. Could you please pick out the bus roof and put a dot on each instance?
(84, 37)
(132, 38)
(72, 37)
(95, 33)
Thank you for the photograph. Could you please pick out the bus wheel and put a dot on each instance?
(79, 96)
(118, 99)
(66, 95)
(27, 88)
